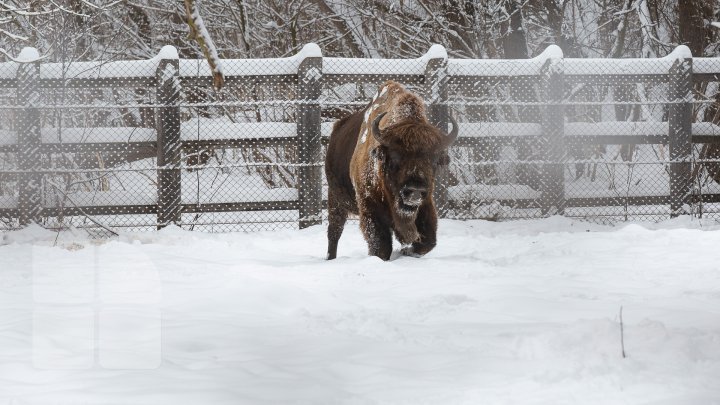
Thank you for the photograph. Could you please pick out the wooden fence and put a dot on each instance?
(310, 73)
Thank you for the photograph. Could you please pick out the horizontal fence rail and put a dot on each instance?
(148, 143)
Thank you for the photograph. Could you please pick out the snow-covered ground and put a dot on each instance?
(522, 312)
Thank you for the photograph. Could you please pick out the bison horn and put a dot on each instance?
(376, 128)
(454, 133)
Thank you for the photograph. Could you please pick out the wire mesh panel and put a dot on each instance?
(79, 145)
(606, 140)
(9, 177)
(618, 138)
(705, 135)
(240, 150)
(144, 144)
(496, 165)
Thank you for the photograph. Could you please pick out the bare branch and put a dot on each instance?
(199, 33)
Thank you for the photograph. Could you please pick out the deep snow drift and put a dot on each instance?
(520, 312)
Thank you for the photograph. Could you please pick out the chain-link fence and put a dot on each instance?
(140, 144)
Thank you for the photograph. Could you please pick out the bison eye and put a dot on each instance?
(392, 166)
(393, 161)
(395, 156)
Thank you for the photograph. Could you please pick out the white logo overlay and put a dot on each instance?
(98, 306)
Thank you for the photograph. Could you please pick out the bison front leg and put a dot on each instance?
(377, 234)
(426, 224)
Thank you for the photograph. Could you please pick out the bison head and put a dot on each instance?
(409, 152)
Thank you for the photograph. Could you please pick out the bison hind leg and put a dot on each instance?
(337, 216)
(336, 224)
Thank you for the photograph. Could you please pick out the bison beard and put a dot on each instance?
(381, 165)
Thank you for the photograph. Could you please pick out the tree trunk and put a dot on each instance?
(693, 29)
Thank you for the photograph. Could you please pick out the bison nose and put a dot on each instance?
(413, 195)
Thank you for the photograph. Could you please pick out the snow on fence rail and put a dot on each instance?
(543, 86)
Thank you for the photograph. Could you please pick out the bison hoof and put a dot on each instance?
(409, 251)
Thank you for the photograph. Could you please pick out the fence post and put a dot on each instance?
(309, 179)
(553, 128)
(169, 143)
(680, 133)
(438, 112)
(28, 130)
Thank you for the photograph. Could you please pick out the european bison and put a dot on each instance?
(381, 165)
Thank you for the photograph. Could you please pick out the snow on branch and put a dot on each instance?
(11, 35)
(27, 55)
(200, 34)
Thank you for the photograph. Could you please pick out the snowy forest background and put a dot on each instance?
(74, 30)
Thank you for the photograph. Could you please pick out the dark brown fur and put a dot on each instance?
(387, 181)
